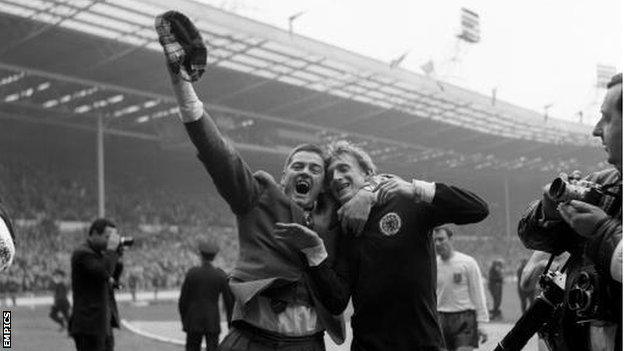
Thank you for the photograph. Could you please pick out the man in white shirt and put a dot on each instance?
(461, 299)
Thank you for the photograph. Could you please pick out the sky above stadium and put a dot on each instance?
(535, 53)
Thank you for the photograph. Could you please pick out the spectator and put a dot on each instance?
(61, 303)
(495, 284)
(199, 301)
(526, 296)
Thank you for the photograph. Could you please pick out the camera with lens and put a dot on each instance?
(562, 191)
(540, 315)
(126, 241)
(590, 295)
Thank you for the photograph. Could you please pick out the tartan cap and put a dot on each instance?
(183, 45)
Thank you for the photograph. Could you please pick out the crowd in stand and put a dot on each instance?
(157, 260)
(41, 197)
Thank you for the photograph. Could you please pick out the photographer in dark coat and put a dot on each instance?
(199, 301)
(94, 264)
(590, 316)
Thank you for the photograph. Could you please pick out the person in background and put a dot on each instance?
(526, 296)
(199, 300)
(61, 303)
(495, 285)
(93, 266)
(133, 282)
(461, 299)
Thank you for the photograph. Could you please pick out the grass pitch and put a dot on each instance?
(33, 330)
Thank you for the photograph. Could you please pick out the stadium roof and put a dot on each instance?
(63, 61)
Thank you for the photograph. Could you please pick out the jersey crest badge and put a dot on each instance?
(390, 224)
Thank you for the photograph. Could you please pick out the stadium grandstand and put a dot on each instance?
(86, 111)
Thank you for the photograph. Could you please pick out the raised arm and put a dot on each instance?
(448, 204)
(455, 205)
(231, 175)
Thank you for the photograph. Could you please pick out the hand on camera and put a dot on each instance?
(582, 217)
(549, 205)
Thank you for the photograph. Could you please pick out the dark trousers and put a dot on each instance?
(245, 337)
(63, 310)
(193, 341)
(93, 342)
(460, 329)
(496, 290)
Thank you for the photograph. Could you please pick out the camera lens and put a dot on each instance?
(126, 241)
(557, 189)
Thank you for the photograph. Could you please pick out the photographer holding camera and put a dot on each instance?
(96, 268)
(584, 218)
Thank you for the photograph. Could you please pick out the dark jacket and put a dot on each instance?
(495, 276)
(60, 294)
(199, 299)
(95, 309)
(258, 202)
(390, 271)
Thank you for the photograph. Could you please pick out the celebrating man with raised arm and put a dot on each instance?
(275, 306)
(390, 268)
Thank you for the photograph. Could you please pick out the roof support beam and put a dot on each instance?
(327, 90)
(262, 83)
(85, 127)
(46, 27)
(208, 106)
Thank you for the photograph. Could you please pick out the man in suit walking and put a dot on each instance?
(199, 300)
(93, 265)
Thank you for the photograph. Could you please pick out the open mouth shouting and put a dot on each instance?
(303, 186)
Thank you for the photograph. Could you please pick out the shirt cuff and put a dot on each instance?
(191, 108)
(315, 254)
(423, 191)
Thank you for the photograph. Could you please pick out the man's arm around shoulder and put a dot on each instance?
(455, 205)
